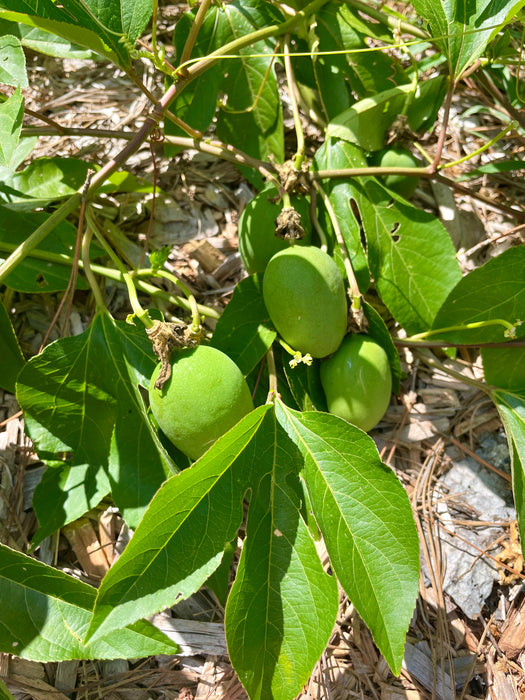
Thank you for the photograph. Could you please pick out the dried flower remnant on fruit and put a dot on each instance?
(288, 225)
(164, 338)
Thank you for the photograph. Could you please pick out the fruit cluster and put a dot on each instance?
(304, 294)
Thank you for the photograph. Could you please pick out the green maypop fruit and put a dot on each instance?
(205, 396)
(405, 185)
(357, 381)
(305, 296)
(257, 239)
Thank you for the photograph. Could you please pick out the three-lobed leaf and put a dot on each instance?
(462, 32)
(180, 540)
(283, 605)
(366, 520)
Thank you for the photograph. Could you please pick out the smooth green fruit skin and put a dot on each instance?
(357, 381)
(257, 240)
(305, 297)
(205, 396)
(405, 185)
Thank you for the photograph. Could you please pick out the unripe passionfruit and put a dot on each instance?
(405, 185)
(205, 396)
(305, 296)
(357, 381)
(257, 240)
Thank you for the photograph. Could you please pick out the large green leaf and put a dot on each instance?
(44, 180)
(181, 538)
(11, 358)
(406, 246)
(83, 410)
(32, 275)
(366, 122)
(110, 28)
(463, 30)
(251, 116)
(49, 613)
(42, 41)
(242, 331)
(496, 290)
(11, 115)
(12, 62)
(282, 607)
(338, 155)
(366, 520)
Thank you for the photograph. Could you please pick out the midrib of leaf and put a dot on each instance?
(341, 517)
(160, 549)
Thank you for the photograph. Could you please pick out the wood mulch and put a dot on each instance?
(435, 424)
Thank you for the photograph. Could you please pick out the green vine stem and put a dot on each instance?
(388, 20)
(138, 311)
(93, 284)
(38, 235)
(510, 328)
(510, 127)
(116, 276)
(195, 28)
(355, 292)
(299, 155)
(195, 316)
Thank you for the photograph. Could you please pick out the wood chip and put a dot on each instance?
(85, 544)
(193, 637)
(512, 640)
(208, 257)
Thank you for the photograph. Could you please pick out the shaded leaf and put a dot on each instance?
(11, 115)
(33, 275)
(44, 180)
(338, 155)
(180, 540)
(496, 290)
(83, 408)
(109, 28)
(511, 407)
(463, 31)
(49, 612)
(282, 607)
(380, 333)
(12, 62)
(366, 520)
(367, 121)
(11, 358)
(242, 331)
(405, 248)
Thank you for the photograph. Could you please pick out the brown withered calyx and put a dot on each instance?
(164, 338)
